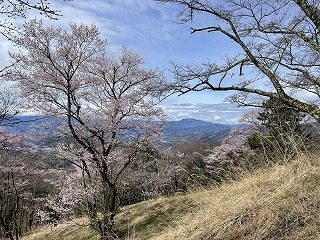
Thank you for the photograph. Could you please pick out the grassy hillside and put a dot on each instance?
(281, 202)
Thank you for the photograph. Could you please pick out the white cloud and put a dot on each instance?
(217, 112)
(149, 28)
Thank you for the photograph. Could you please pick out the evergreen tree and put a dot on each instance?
(284, 133)
(281, 119)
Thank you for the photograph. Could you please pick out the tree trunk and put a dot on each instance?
(311, 11)
(111, 207)
(10, 235)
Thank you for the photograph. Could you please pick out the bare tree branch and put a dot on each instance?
(279, 43)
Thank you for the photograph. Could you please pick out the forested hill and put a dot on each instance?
(185, 130)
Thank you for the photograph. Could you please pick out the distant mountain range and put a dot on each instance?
(185, 130)
(191, 130)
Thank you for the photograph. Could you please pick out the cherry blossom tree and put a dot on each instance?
(18, 9)
(12, 10)
(232, 156)
(17, 200)
(22, 187)
(106, 106)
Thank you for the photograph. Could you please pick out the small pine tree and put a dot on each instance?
(279, 118)
(284, 133)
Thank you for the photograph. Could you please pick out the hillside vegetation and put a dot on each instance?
(279, 202)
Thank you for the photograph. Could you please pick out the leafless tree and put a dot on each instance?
(279, 54)
(13, 9)
(9, 105)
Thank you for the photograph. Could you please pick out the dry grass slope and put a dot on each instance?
(73, 230)
(280, 203)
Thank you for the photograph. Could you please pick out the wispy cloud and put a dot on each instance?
(215, 112)
(150, 29)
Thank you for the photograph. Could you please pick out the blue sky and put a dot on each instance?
(151, 29)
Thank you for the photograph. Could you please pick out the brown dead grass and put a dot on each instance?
(77, 229)
(282, 202)
(278, 203)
